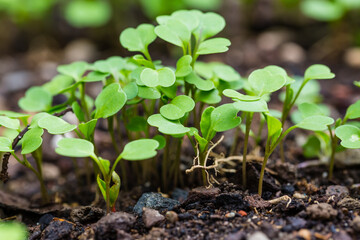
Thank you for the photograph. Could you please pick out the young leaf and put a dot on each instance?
(131, 90)
(263, 81)
(188, 18)
(115, 188)
(112, 65)
(105, 165)
(226, 73)
(253, 106)
(36, 99)
(95, 76)
(102, 186)
(161, 140)
(318, 71)
(149, 93)
(353, 111)
(5, 145)
(349, 135)
(79, 113)
(315, 123)
(167, 126)
(138, 39)
(75, 70)
(32, 140)
(9, 123)
(312, 147)
(12, 114)
(309, 109)
(205, 122)
(224, 118)
(140, 149)
(55, 125)
(173, 31)
(239, 96)
(183, 67)
(214, 45)
(209, 97)
(88, 129)
(74, 147)
(164, 77)
(110, 101)
(58, 84)
(178, 107)
(204, 85)
(210, 24)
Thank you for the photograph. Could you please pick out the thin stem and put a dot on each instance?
(83, 101)
(334, 141)
(38, 159)
(266, 157)
(249, 117)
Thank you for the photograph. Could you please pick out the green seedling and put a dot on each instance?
(13, 230)
(261, 82)
(316, 71)
(133, 151)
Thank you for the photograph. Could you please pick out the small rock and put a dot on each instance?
(16, 81)
(179, 194)
(80, 50)
(151, 217)
(201, 193)
(349, 203)
(258, 236)
(239, 235)
(305, 234)
(352, 57)
(50, 172)
(294, 223)
(356, 224)
(337, 190)
(155, 201)
(172, 216)
(321, 211)
(113, 225)
(341, 235)
(299, 195)
(292, 52)
(288, 189)
(86, 214)
(230, 215)
(256, 201)
(58, 230)
(45, 220)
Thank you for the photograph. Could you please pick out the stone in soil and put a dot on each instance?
(60, 229)
(114, 226)
(256, 201)
(86, 214)
(349, 203)
(294, 223)
(288, 189)
(321, 211)
(179, 194)
(355, 224)
(155, 201)
(201, 194)
(172, 216)
(258, 236)
(337, 190)
(151, 217)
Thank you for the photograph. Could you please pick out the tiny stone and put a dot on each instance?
(305, 234)
(349, 203)
(299, 195)
(151, 217)
(321, 211)
(356, 224)
(337, 190)
(171, 216)
(258, 236)
(230, 215)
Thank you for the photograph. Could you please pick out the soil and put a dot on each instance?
(298, 201)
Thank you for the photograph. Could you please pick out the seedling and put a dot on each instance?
(133, 151)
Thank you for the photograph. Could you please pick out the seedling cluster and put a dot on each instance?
(149, 106)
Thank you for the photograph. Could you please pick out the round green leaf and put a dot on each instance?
(12, 114)
(55, 125)
(239, 96)
(210, 24)
(253, 106)
(183, 67)
(263, 81)
(111, 99)
(88, 128)
(353, 111)
(58, 84)
(171, 112)
(9, 123)
(36, 99)
(131, 90)
(322, 10)
(5, 145)
(83, 13)
(349, 135)
(95, 76)
(162, 141)
(32, 140)
(138, 39)
(315, 123)
(204, 85)
(13, 230)
(226, 73)
(167, 126)
(149, 93)
(164, 77)
(318, 71)
(173, 31)
(214, 45)
(188, 18)
(209, 97)
(111, 65)
(309, 109)
(224, 118)
(75, 70)
(140, 149)
(74, 147)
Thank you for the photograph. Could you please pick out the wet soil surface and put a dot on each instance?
(296, 209)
